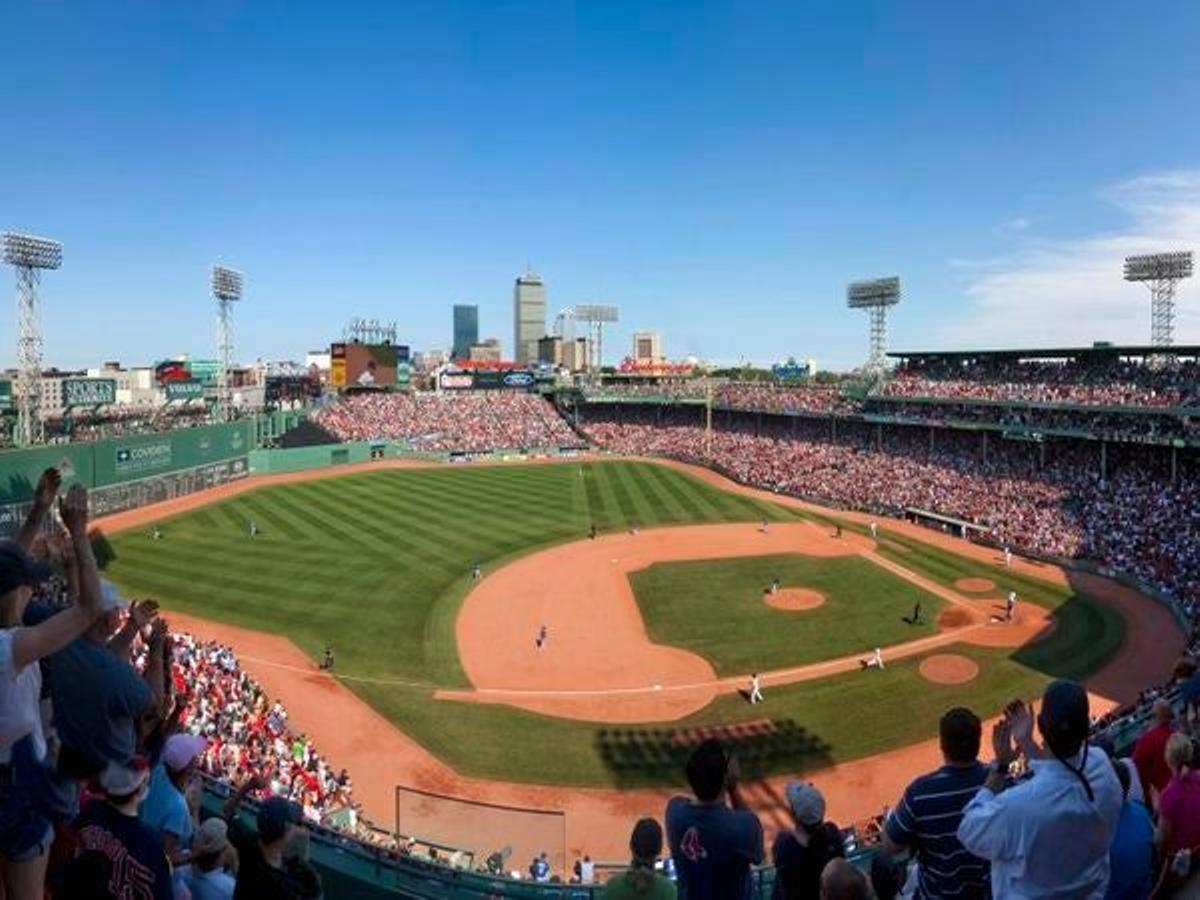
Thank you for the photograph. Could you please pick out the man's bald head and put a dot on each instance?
(841, 881)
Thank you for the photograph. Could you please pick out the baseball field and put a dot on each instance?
(653, 626)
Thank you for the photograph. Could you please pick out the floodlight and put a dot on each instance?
(28, 255)
(875, 296)
(226, 283)
(30, 252)
(1160, 272)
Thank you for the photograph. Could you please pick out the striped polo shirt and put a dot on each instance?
(926, 820)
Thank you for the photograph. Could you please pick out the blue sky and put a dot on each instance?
(718, 170)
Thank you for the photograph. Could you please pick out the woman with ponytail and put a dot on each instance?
(640, 881)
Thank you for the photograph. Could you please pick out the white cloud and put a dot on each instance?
(1014, 226)
(1070, 292)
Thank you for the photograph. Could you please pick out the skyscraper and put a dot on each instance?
(529, 317)
(466, 330)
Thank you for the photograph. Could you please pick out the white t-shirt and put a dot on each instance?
(19, 694)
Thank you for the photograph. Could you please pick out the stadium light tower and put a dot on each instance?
(875, 296)
(29, 255)
(226, 288)
(1160, 272)
(595, 316)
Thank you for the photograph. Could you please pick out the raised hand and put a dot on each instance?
(1002, 743)
(73, 508)
(47, 488)
(142, 612)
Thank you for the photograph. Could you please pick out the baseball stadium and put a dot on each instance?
(565, 450)
(508, 616)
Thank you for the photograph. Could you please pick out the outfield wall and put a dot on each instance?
(127, 472)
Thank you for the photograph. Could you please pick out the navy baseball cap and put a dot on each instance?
(18, 568)
(274, 816)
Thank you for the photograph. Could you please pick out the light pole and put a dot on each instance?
(28, 255)
(226, 288)
(1160, 272)
(875, 296)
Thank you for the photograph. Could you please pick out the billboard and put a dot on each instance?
(337, 365)
(370, 365)
(403, 373)
(171, 370)
(186, 389)
(487, 380)
(285, 388)
(6, 396)
(790, 370)
(88, 392)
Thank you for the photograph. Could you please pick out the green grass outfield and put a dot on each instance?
(716, 608)
(377, 564)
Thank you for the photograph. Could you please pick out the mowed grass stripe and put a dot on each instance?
(616, 485)
(262, 511)
(614, 513)
(692, 504)
(666, 507)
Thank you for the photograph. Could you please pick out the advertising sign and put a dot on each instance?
(403, 373)
(191, 389)
(454, 381)
(337, 365)
(6, 396)
(143, 459)
(790, 370)
(89, 392)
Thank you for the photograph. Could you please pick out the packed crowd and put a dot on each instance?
(459, 421)
(776, 398)
(1131, 518)
(1117, 384)
(106, 719)
(1132, 425)
(1054, 813)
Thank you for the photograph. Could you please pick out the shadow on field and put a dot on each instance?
(640, 756)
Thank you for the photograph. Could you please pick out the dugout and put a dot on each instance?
(939, 522)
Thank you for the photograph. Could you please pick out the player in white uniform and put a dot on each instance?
(874, 529)
(874, 661)
(755, 690)
(253, 528)
(1007, 558)
(1010, 609)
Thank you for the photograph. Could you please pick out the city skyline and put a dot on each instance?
(719, 175)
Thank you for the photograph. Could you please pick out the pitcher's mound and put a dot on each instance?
(948, 668)
(975, 585)
(794, 599)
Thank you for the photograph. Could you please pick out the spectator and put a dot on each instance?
(25, 829)
(1179, 806)
(165, 809)
(263, 872)
(841, 881)
(138, 867)
(1048, 836)
(1131, 857)
(1149, 752)
(640, 880)
(926, 819)
(99, 697)
(713, 845)
(206, 877)
(801, 853)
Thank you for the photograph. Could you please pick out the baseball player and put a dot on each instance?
(874, 529)
(327, 659)
(157, 533)
(476, 572)
(1007, 558)
(837, 533)
(755, 690)
(874, 661)
(775, 585)
(592, 533)
(916, 616)
(1010, 608)
(253, 529)
(764, 527)
(543, 634)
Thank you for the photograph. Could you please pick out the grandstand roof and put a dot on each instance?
(1096, 350)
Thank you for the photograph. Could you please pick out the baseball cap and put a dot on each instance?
(808, 806)
(118, 780)
(211, 837)
(274, 817)
(181, 749)
(110, 598)
(18, 568)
